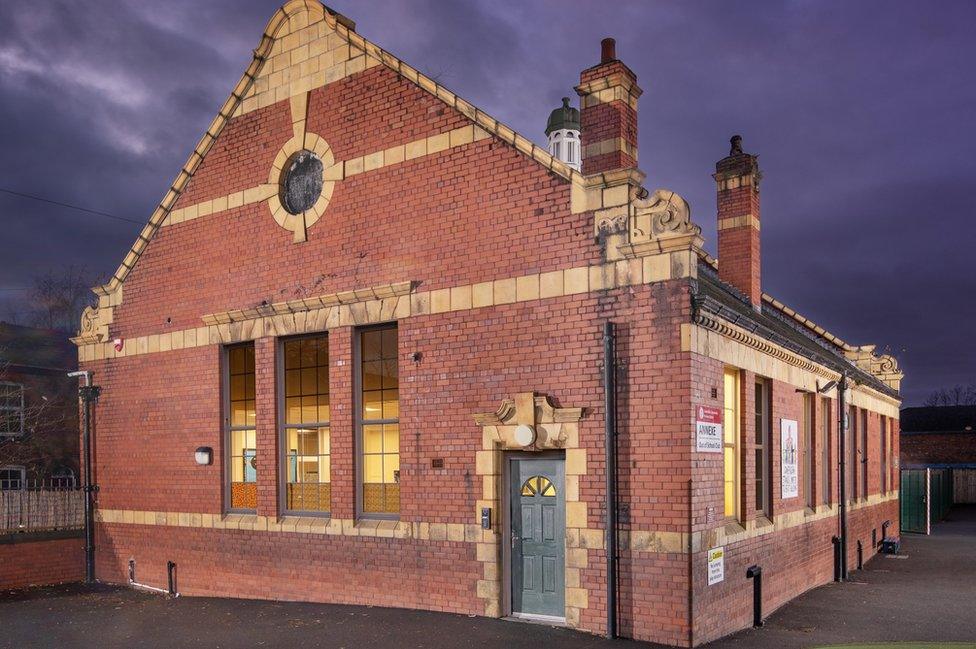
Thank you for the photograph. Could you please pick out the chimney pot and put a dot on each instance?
(739, 263)
(608, 113)
(736, 142)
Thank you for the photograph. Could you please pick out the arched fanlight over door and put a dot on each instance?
(538, 484)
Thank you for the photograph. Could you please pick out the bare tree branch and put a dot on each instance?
(957, 395)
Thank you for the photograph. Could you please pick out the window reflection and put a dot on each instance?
(306, 425)
(379, 420)
(242, 442)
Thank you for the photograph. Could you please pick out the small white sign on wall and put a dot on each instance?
(789, 452)
(708, 429)
(716, 565)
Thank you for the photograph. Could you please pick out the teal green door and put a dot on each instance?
(538, 522)
(914, 502)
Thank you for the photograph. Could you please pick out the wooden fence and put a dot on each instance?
(964, 486)
(42, 507)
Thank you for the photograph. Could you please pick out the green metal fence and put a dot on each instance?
(926, 496)
(914, 501)
(940, 481)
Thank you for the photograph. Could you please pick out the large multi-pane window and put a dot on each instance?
(730, 441)
(825, 447)
(379, 421)
(808, 450)
(12, 478)
(884, 454)
(11, 409)
(307, 442)
(242, 458)
(864, 454)
(762, 447)
(850, 471)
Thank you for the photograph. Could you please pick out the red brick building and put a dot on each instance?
(939, 436)
(38, 407)
(384, 312)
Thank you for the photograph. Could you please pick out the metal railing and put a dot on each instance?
(41, 506)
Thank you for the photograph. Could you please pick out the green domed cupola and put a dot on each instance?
(564, 117)
(563, 129)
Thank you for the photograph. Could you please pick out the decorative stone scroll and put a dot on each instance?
(662, 213)
(537, 412)
(883, 366)
(94, 325)
(660, 221)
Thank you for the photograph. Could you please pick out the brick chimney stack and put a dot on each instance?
(608, 113)
(737, 177)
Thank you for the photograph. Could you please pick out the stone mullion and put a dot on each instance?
(266, 426)
(342, 423)
(747, 445)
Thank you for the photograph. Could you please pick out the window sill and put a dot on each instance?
(762, 522)
(304, 522)
(388, 524)
(734, 527)
(239, 519)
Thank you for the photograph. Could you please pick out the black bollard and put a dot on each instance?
(836, 541)
(755, 574)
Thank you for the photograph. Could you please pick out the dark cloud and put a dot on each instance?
(863, 115)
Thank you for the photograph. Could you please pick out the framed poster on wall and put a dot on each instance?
(788, 459)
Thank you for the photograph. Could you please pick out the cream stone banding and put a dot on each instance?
(641, 541)
(338, 170)
(301, 140)
(394, 302)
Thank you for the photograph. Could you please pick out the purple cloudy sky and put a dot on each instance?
(862, 112)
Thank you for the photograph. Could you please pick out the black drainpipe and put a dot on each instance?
(842, 427)
(610, 423)
(89, 396)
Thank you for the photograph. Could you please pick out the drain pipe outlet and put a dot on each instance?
(170, 568)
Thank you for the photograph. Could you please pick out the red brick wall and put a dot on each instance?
(470, 362)
(483, 202)
(40, 561)
(793, 560)
(296, 567)
(938, 448)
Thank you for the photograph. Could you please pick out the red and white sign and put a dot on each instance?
(708, 429)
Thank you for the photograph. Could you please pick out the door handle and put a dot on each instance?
(515, 538)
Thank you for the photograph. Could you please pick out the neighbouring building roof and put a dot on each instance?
(938, 419)
(32, 350)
